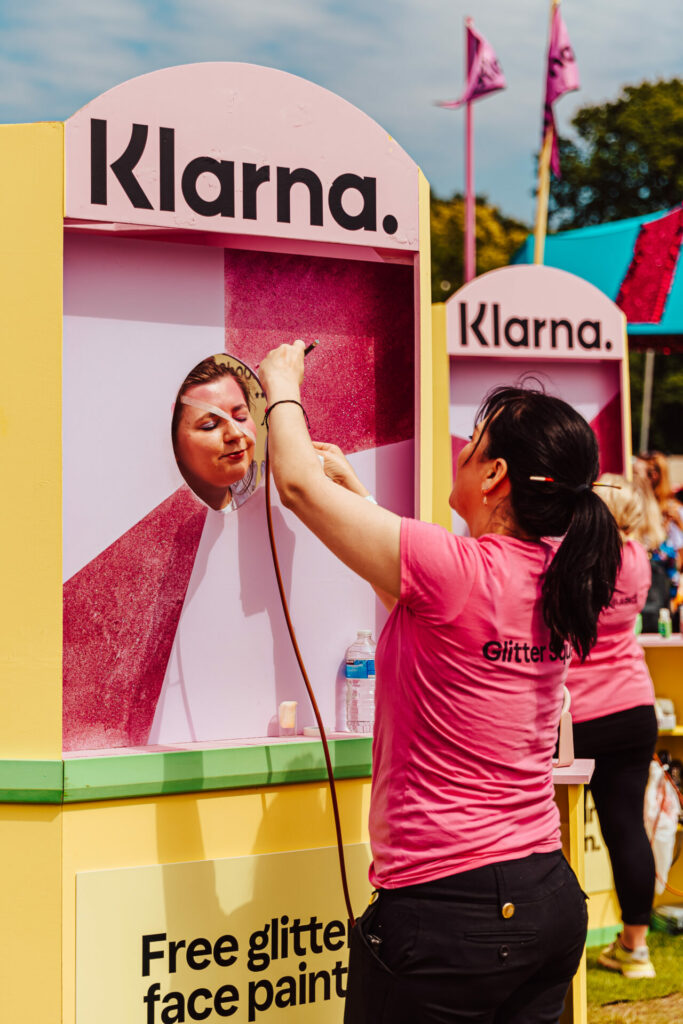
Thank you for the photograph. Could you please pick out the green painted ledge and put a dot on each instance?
(31, 782)
(179, 771)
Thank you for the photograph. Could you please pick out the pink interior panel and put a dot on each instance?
(592, 388)
(137, 317)
(173, 627)
(232, 661)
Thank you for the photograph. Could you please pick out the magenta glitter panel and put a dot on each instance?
(121, 613)
(607, 427)
(359, 386)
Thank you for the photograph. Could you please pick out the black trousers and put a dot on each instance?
(444, 952)
(622, 745)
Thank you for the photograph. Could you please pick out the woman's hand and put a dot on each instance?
(282, 371)
(338, 468)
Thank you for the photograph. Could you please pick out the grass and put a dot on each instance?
(606, 988)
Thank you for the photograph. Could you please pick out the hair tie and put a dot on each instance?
(285, 401)
(581, 488)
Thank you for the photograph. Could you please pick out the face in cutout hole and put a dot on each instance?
(214, 452)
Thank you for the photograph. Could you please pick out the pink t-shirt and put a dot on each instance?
(614, 676)
(468, 701)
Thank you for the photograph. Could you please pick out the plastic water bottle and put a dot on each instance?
(664, 624)
(360, 683)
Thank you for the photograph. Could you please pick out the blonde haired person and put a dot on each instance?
(658, 472)
(615, 724)
(666, 550)
(650, 530)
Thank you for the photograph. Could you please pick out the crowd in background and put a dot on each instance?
(661, 532)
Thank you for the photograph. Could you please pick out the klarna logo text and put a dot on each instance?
(483, 327)
(235, 188)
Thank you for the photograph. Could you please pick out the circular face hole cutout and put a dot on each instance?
(218, 431)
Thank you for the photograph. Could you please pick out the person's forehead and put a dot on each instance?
(223, 392)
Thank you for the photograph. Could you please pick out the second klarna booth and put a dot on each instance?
(172, 854)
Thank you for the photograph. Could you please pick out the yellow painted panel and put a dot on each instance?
(423, 300)
(30, 911)
(666, 668)
(603, 910)
(257, 935)
(194, 827)
(443, 461)
(626, 408)
(31, 214)
(598, 867)
(569, 800)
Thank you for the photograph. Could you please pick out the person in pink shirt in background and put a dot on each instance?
(477, 916)
(615, 723)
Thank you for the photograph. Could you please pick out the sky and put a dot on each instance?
(391, 58)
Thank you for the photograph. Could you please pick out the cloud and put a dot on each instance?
(392, 59)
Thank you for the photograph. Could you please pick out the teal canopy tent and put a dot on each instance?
(636, 262)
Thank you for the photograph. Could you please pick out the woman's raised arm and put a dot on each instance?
(364, 536)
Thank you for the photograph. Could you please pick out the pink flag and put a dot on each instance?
(484, 73)
(562, 77)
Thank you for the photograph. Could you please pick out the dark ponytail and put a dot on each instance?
(542, 436)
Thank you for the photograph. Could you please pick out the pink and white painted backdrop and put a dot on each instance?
(173, 627)
(589, 378)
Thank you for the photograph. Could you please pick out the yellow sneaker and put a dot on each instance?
(632, 963)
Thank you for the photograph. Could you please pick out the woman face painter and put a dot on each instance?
(477, 917)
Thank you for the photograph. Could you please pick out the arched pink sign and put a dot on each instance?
(240, 149)
(532, 312)
(553, 327)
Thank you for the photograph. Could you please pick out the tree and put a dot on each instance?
(665, 422)
(627, 159)
(497, 236)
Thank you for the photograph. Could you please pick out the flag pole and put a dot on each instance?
(469, 254)
(469, 197)
(543, 194)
